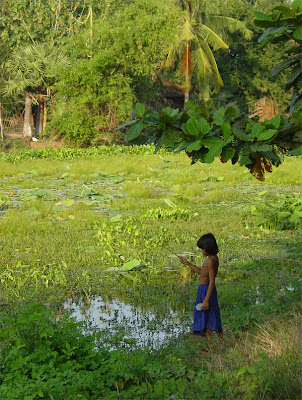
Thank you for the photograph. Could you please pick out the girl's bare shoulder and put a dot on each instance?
(213, 261)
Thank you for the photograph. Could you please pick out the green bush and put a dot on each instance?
(42, 358)
(284, 213)
(71, 153)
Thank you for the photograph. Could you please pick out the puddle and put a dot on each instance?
(115, 317)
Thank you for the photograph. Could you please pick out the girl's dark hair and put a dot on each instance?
(208, 243)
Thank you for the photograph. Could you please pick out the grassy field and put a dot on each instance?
(103, 225)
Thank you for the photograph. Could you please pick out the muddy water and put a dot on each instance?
(133, 325)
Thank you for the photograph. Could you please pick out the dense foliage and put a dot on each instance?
(108, 73)
(54, 360)
(116, 50)
(68, 154)
(42, 358)
(205, 133)
(283, 26)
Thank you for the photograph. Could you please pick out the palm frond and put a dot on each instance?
(211, 37)
(220, 23)
(187, 32)
(202, 65)
(30, 66)
(211, 60)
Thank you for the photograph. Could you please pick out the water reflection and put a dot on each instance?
(114, 317)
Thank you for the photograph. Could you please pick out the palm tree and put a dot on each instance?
(200, 35)
(31, 72)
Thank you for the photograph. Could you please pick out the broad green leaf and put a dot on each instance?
(139, 109)
(275, 121)
(195, 146)
(116, 218)
(263, 148)
(266, 135)
(193, 127)
(241, 135)
(298, 33)
(90, 202)
(269, 34)
(132, 278)
(129, 123)
(218, 117)
(31, 171)
(170, 203)
(297, 71)
(67, 202)
(214, 151)
(262, 16)
(226, 129)
(296, 152)
(295, 216)
(128, 266)
(286, 11)
(232, 112)
(204, 125)
(33, 212)
(297, 4)
(170, 111)
(117, 179)
(134, 131)
(281, 66)
(227, 154)
(283, 214)
(256, 130)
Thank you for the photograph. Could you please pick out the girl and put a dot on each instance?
(207, 320)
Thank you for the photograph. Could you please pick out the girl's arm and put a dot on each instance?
(193, 267)
(212, 274)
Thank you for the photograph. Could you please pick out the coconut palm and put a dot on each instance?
(200, 35)
(31, 72)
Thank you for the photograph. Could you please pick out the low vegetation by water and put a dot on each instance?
(82, 225)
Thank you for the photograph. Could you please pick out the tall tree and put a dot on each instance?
(246, 68)
(200, 34)
(31, 71)
(98, 90)
(284, 25)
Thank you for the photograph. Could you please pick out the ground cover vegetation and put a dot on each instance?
(99, 224)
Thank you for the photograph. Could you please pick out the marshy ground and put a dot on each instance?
(91, 233)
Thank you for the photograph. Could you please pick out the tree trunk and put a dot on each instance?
(40, 115)
(187, 93)
(45, 114)
(1, 125)
(27, 127)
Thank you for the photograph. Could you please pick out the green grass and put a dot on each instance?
(60, 242)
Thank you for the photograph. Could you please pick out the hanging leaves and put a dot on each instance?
(208, 134)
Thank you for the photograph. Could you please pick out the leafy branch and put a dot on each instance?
(207, 133)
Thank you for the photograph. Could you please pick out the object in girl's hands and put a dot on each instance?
(198, 306)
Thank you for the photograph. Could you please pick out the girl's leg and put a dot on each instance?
(208, 335)
(220, 334)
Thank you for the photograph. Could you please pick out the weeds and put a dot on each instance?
(99, 224)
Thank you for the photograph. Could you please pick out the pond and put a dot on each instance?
(132, 325)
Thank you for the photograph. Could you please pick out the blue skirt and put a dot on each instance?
(209, 319)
